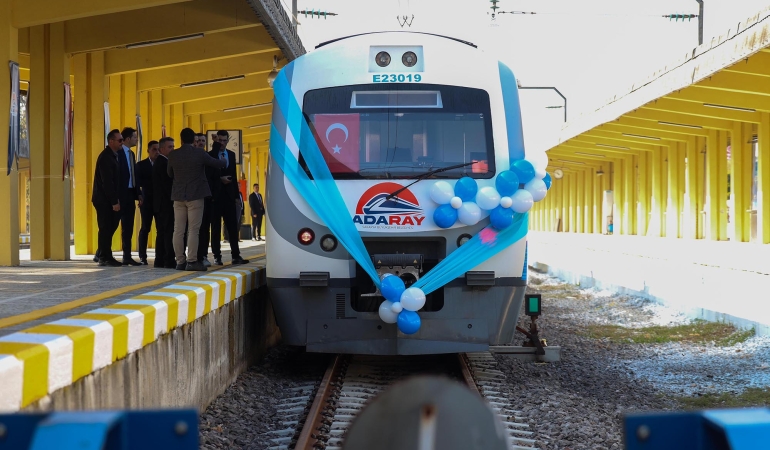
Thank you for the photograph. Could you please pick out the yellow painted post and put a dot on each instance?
(712, 186)
(565, 203)
(763, 179)
(748, 177)
(738, 209)
(664, 154)
(723, 187)
(588, 199)
(579, 195)
(672, 204)
(700, 188)
(89, 137)
(116, 101)
(177, 120)
(691, 189)
(50, 210)
(9, 184)
(618, 181)
(629, 195)
(643, 217)
(155, 112)
(573, 203)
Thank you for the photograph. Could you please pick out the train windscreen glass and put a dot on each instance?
(369, 132)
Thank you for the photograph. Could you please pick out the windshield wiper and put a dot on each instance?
(426, 175)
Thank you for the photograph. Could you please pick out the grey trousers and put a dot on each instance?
(185, 212)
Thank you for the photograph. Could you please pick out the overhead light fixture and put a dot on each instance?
(238, 108)
(590, 154)
(217, 80)
(684, 125)
(613, 146)
(165, 41)
(572, 162)
(599, 172)
(260, 126)
(732, 108)
(640, 136)
(273, 73)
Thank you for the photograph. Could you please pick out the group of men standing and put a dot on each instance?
(188, 192)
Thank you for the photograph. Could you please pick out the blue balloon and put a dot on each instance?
(524, 170)
(466, 188)
(445, 216)
(501, 218)
(507, 183)
(392, 287)
(408, 322)
(547, 180)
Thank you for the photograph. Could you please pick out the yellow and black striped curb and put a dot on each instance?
(40, 360)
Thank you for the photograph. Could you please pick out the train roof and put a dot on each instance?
(471, 44)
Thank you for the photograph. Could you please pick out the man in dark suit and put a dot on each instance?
(224, 195)
(128, 192)
(205, 229)
(147, 212)
(257, 206)
(163, 207)
(105, 197)
(186, 167)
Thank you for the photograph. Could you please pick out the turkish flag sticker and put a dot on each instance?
(338, 137)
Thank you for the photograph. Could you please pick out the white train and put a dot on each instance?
(386, 109)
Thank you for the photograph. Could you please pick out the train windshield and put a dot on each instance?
(402, 130)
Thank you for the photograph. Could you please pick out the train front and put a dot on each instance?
(392, 114)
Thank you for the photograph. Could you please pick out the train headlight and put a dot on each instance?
(463, 239)
(328, 243)
(383, 59)
(306, 236)
(409, 59)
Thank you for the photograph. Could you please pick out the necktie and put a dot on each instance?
(223, 157)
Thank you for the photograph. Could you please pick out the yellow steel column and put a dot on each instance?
(618, 181)
(116, 101)
(50, 210)
(177, 120)
(763, 179)
(643, 217)
(748, 178)
(738, 180)
(690, 228)
(588, 195)
(664, 154)
(629, 195)
(573, 203)
(565, 203)
(700, 188)
(155, 111)
(712, 186)
(90, 93)
(9, 184)
(723, 190)
(579, 195)
(673, 206)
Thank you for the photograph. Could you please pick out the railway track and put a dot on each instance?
(351, 382)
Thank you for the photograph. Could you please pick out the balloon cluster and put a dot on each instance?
(401, 304)
(515, 191)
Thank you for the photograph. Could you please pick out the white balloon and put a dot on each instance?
(413, 299)
(487, 198)
(386, 312)
(522, 201)
(537, 188)
(456, 202)
(441, 192)
(539, 161)
(469, 213)
(506, 202)
(396, 307)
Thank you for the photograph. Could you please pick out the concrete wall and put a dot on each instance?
(188, 367)
(717, 281)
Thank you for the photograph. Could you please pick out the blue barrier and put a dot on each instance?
(100, 430)
(733, 429)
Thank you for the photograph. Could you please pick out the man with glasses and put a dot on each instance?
(105, 198)
(224, 197)
(128, 193)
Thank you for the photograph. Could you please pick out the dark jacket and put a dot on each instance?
(162, 184)
(106, 180)
(219, 188)
(143, 174)
(256, 204)
(125, 192)
(186, 166)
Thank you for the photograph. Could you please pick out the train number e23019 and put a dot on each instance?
(397, 78)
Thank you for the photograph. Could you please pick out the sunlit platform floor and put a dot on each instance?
(36, 285)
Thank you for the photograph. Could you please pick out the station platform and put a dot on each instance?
(61, 321)
(711, 280)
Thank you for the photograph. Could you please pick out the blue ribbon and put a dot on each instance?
(323, 196)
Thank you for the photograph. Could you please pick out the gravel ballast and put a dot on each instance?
(577, 403)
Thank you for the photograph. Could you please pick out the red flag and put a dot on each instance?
(338, 138)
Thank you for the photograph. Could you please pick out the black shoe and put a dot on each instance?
(143, 261)
(260, 238)
(96, 258)
(181, 266)
(131, 262)
(218, 261)
(240, 260)
(171, 265)
(196, 266)
(160, 266)
(109, 263)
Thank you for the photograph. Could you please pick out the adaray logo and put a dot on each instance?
(374, 209)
